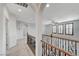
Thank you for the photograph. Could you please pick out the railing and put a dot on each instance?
(66, 45)
(31, 42)
(51, 50)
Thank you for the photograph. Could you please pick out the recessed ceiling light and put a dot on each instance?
(47, 5)
(19, 10)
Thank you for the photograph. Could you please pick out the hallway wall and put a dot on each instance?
(2, 31)
(16, 30)
(48, 28)
(12, 32)
(9, 33)
(22, 29)
(32, 30)
(1, 35)
(75, 25)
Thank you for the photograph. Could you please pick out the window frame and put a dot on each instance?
(62, 28)
(68, 29)
(52, 29)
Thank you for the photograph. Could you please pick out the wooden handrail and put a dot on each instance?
(64, 37)
(31, 36)
(62, 50)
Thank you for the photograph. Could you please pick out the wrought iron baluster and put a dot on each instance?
(65, 45)
(75, 48)
(51, 42)
(42, 45)
(49, 51)
(72, 51)
(42, 48)
(68, 45)
(60, 43)
(52, 51)
(46, 49)
(59, 53)
(55, 51)
(57, 42)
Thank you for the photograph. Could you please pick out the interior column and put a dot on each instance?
(39, 26)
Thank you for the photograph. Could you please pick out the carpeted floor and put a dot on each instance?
(21, 49)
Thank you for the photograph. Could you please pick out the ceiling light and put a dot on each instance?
(19, 10)
(47, 5)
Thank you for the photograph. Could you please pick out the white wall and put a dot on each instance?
(22, 29)
(48, 29)
(32, 30)
(1, 35)
(12, 32)
(9, 30)
(2, 31)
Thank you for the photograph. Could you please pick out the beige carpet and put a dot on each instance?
(21, 49)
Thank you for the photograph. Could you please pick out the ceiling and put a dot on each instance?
(22, 13)
(57, 12)
(60, 12)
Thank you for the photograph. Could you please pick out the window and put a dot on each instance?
(69, 29)
(54, 29)
(60, 29)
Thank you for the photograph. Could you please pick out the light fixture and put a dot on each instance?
(19, 10)
(47, 5)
